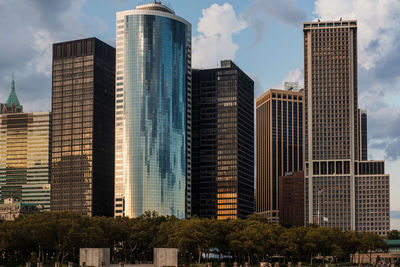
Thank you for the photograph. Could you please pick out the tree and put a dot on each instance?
(393, 235)
(191, 236)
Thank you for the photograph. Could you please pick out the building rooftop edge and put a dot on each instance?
(152, 12)
(157, 5)
(269, 91)
(333, 23)
(82, 39)
(329, 21)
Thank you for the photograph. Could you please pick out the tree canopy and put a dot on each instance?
(56, 237)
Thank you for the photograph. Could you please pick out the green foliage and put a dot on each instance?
(393, 235)
(50, 237)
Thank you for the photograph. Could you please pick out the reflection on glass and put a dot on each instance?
(150, 169)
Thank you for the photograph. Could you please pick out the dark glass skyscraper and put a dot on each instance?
(153, 94)
(82, 176)
(222, 143)
(363, 123)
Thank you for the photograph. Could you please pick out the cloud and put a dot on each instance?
(29, 28)
(384, 131)
(217, 26)
(285, 11)
(219, 23)
(295, 75)
(258, 88)
(378, 25)
(395, 224)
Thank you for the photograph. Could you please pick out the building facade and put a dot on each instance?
(363, 122)
(82, 178)
(153, 118)
(11, 208)
(372, 191)
(279, 145)
(332, 129)
(222, 143)
(291, 198)
(24, 153)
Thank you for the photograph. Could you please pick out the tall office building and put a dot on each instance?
(363, 120)
(82, 177)
(153, 112)
(279, 145)
(24, 153)
(332, 141)
(223, 143)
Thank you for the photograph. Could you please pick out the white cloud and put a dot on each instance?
(258, 88)
(378, 25)
(216, 27)
(395, 224)
(295, 75)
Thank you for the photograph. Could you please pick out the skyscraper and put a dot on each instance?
(223, 143)
(332, 132)
(82, 178)
(363, 122)
(24, 153)
(279, 145)
(153, 112)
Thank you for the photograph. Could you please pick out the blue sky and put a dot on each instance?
(264, 37)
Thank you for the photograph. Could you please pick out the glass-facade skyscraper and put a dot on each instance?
(24, 153)
(153, 93)
(82, 175)
(223, 143)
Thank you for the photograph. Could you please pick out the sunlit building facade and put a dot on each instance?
(82, 175)
(153, 94)
(24, 154)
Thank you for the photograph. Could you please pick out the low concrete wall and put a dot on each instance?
(165, 257)
(94, 257)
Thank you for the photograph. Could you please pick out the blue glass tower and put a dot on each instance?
(153, 92)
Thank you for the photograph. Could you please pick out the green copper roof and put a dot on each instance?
(13, 98)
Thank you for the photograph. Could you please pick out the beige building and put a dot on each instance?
(336, 192)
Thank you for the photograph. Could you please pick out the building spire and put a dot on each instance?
(12, 98)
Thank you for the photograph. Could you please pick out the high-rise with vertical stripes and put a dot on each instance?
(279, 125)
(342, 189)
